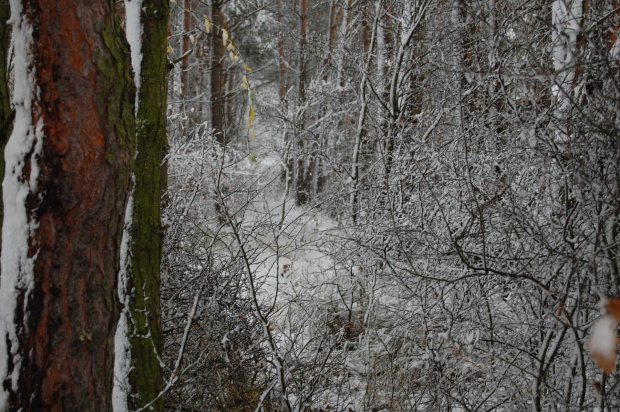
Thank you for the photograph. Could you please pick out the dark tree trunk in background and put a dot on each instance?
(335, 16)
(66, 306)
(187, 27)
(217, 71)
(6, 111)
(281, 58)
(303, 174)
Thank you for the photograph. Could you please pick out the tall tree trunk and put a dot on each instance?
(335, 17)
(6, 111)
(398, 76)
(229, 101)
(366, 23)
(203, 64)
(218, 61)
(385, 55)
(69, 158)
(281, 58)
(303, 174)
(143, 282)
(361, 123)
(186, 46)
(217, 70)
(344, 28)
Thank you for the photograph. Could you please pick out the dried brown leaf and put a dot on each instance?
(613, 309)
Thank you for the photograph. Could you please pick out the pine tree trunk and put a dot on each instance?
(304, 164)
(70, 161)
(217, 70)
(335, 17)
(281, 58)
(344, 28)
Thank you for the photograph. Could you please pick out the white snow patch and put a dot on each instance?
(122, 346)
(25, 145)
(133, 9)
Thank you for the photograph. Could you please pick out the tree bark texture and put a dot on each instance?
(303, 174)
(6, 111)
(335, 16)
(217, 72)
(146, 378)
(84, 101)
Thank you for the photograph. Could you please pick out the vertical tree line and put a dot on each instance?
(150, 185)
(80, 133)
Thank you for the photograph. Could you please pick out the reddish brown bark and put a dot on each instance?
(612, 34)
(335, 17)
(81, 67)
(366, 25)
(217, 72)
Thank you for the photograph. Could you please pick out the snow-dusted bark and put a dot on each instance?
(67, 175)
(17, 281)
(139, 352)
(122, 345)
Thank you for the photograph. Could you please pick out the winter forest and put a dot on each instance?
(310, 205)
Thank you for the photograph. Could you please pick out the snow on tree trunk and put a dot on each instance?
(142, 382)
(122, 347)
(67, 182)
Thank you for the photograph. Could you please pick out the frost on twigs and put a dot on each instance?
(603, 341)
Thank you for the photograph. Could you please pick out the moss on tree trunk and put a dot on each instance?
(146, 377)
